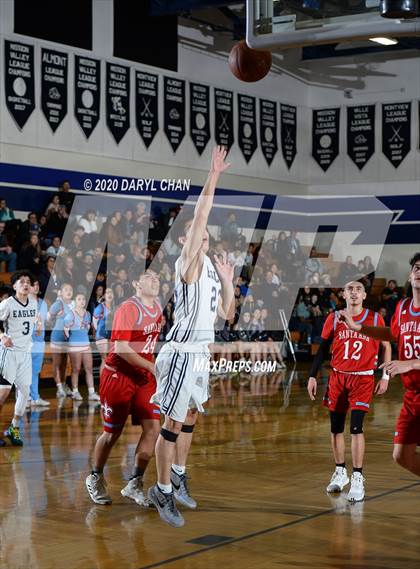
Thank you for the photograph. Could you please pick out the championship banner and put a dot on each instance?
(361, 133)
(199, 116)
(147, 113)
(19, 80)
(174, 111)
(87, 92)
(325, 136)
(54, 86)
(223, 117)
(268, 129)
(117, 100)
(247, 125)
(288, 125)
(396, 131)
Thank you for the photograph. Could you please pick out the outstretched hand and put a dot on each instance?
(223, 268)
(218, 163)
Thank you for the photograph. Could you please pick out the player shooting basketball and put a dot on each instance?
(181, 390)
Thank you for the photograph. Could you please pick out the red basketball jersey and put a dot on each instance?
(139, 325)
(352, 351)
(405, 327)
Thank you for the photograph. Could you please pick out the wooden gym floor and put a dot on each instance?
(259, 464)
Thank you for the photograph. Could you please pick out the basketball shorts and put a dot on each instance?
(121, 396)
(15, 368)
(349, 391)
(182, 378)
(407, 430)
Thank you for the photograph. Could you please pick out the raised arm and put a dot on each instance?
(194, 240)
(382, 333)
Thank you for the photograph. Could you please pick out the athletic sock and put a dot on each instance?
(358, 469)
(180, 470)
(165, 488)
(91, 390)
(137, 472)
(75, 390)
(341, 465)
(15, 423)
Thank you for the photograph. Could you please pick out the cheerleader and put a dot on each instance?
(59, 341)
(77, 325)
(102, 314)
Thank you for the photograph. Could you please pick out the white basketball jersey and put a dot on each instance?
(195, 306)
(19, 321)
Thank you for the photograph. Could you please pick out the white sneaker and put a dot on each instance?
(75, 395)
(61, 393)
(68, 390)
(134, 491)
(40, 403)
(96, 486)
(339, 479)
(357, 488)
(94, 397)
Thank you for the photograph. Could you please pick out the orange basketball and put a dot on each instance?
(249, 64)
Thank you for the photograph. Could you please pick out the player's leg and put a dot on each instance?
(407, 456)
(87, 362)
(102, 346)
(360, 389)
(336, 401)
(116, 392)
(147, 415)
(37, 361)
(23, 377)
(76, 366)
(178, 469)
(407, 434)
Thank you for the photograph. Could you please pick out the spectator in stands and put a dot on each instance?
(46, 274)
(390, 297)
(89, 222)
(304, 318)
(66, 271)
(281, 246)
(76, 249)
(313, 265)
(56, 249)
(30, 254)
(66, 197)
(6, 214)
(317, 317)
(57, 221)
(43, 231)
(6, 252)
(53, 206)
(128, 225)
(165, 327)
(113, 233)
(230, 230)
(277, 277)
(348, 271)
(293, 246)
(30, 225)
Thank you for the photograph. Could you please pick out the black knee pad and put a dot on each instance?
(356, 421)
(168, 435)
(337, 421)
(187, 428)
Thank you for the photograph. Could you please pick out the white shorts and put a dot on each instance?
(182, 379)
(15, 367)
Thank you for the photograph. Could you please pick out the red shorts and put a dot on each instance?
(407, 430)
(121, 396)
(348, 390)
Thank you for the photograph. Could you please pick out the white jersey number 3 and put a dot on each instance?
(356, 349)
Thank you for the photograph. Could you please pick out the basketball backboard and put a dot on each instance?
(290, 23)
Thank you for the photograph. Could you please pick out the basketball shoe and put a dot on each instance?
(134, 491)
(181, 490)
(166, 507)
(339, 479)
(357, 488)
(96, 487)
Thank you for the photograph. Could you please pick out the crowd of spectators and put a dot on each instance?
(135, 235)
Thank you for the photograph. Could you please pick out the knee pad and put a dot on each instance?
(168, 435)
(337, 421)
(356, 421)
(187, 428)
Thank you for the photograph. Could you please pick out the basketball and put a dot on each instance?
(248, 64)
